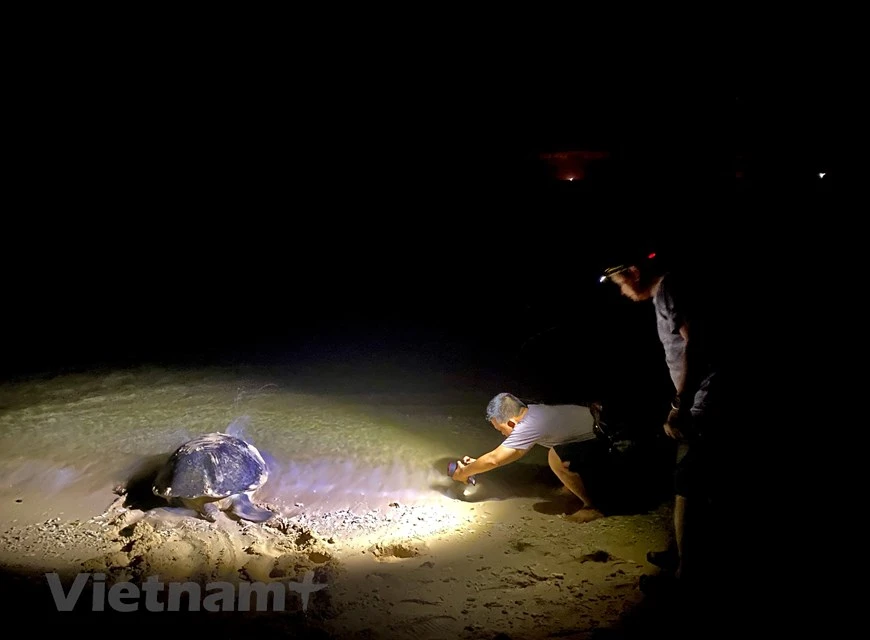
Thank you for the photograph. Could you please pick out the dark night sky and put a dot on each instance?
(205, 215)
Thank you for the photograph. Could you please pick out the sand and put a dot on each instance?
(383, 543)
(450, 569)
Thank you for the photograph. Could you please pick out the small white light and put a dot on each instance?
(570, 179)
(821, 175)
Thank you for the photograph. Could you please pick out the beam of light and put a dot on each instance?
(469, 491)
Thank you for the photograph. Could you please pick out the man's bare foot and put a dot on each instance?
(585, 514)
(564, 492)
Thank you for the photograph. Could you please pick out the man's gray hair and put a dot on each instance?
(503, 407)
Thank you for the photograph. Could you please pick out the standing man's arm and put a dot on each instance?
(685, 394)
(686, 386)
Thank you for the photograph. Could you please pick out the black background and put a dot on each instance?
(205, 209)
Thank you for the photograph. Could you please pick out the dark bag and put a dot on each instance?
(609, 436)
(623, 432)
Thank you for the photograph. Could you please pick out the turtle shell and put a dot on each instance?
(215, 465)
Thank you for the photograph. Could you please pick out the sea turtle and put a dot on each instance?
(214, 472)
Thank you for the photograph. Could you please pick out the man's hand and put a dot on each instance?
(675, 424)
(498, 457)
(460, 475)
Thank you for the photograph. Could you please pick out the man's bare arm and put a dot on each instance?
(498, 457)
(686, 387)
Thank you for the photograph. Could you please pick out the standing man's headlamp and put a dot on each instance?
(612, 271)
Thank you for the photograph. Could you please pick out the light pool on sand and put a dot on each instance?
(334, 438)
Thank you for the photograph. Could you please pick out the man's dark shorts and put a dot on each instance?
(695, 471)
(585, 454)
(688, 479)
(632, 477)
(590, 459)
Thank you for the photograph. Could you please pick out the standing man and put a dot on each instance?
(686, 327)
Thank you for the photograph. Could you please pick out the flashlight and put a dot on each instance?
(451, 469)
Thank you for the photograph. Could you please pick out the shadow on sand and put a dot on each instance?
(140, 480)
(620, 484)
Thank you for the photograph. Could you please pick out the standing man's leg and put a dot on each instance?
(673, 561)
(685, 482)
(680, 503)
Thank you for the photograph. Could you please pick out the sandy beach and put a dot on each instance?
(383, 548)
(454, 569)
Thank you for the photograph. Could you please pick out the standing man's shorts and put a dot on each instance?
(687, 480)
(695, 470)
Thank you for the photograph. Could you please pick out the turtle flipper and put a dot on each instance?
(205, 509)
(247, 510)
(209, 511)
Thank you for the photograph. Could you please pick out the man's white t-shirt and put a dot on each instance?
(549, 425)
